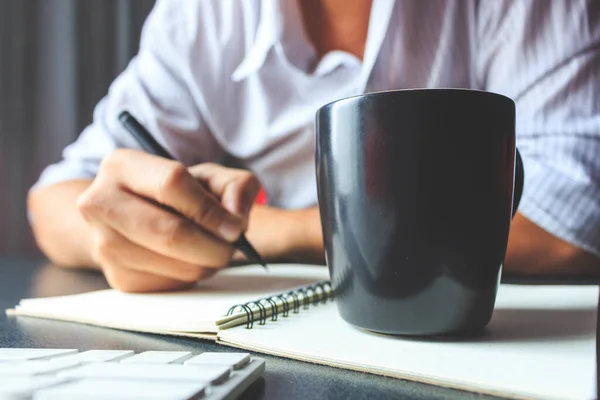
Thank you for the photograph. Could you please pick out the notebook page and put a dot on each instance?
(196, 310)
(539, 344)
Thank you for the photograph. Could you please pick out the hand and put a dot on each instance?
(157, 225)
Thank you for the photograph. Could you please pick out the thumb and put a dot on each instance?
(236, 188)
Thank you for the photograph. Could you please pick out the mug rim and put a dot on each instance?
(439, 89)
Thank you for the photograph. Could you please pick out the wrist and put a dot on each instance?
(305, 236)
(286, 235)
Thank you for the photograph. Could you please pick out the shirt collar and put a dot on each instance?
(270, 27)
(270, 30)
(379, 20)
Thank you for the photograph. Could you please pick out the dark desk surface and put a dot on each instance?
(284, 378)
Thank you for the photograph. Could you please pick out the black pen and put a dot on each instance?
(150, 145)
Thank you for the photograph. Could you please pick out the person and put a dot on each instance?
(241, 80)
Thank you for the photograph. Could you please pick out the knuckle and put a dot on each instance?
(96, 202)
(207, 214)
(248, 176)
(248, 182)
(176, 175)
(84, 204)
(170, 230)
(247, 179)
(90, 203)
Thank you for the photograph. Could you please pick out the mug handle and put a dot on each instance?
(519, 181)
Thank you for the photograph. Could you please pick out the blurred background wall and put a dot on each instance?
(57, 58)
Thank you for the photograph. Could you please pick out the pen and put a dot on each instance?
(150, 145)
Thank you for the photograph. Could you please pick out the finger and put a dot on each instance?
(169, 183)
(151, 226)
(237, 188)
(111, 248)
(127, 280)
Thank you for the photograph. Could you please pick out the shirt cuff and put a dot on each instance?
(65, 171)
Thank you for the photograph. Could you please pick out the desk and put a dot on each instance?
(283, 379)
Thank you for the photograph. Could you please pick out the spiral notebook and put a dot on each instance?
(539, 344)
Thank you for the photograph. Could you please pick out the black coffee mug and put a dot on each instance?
(416, 192)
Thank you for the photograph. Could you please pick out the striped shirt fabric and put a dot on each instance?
(240, 77)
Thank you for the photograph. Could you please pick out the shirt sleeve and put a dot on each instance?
(545, 55)
(155, 88)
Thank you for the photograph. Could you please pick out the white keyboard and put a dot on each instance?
(51, 374)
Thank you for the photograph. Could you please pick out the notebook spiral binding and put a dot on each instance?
(282, 303)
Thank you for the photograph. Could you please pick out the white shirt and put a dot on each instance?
(240, 77)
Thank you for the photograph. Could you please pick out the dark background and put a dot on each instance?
(57, 59)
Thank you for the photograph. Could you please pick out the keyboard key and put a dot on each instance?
(32, 354)
(31, 368)
(158, 357)
(121, 389)
(91, 356)
(149, 372)
(23, 387)
(232, 360)
(105, 374)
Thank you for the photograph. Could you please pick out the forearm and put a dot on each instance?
(533, 251)
(61, 233)
(287, 235)
(307, 235)
(283, 235)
